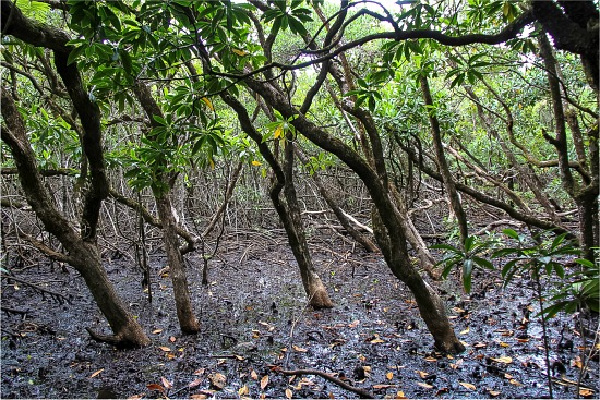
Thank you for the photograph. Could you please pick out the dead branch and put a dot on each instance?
(363, 393)
(46, 250)
(59, 297)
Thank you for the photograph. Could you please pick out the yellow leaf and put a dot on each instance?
(465, 331)
(264, 382)
(256, 163)
(243, 391)
(278, 131)
(239, 52)
(449, 357)
(95, 374)
(468, 385)
(514, 382)
(586, 392)
(288, 393)
(503, 344)
(400, 395)
(208, 103)
(503, 359)
(389, 375)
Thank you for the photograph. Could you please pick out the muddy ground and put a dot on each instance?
(254, 319)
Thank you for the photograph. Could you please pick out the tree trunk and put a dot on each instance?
(448, 180)
(185, 312)
(83, 254)
(162, 189)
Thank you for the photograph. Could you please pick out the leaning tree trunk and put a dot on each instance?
(162, 189)
(287, 209)
(83, 254)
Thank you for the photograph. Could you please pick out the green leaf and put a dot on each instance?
(482, 262)
(511, 233)
(467, 269)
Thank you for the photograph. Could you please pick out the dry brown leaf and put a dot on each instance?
(95, 374)
(172, 339)
(514, 382)
(137, 396)
(494, 393)
(157, 331)
(253, 375)
(467, 385)
(154, 386)
(377, 340)
(367, 369)
(330, 395)
(218, 380)
(354, 323)
(389, 375)
(379, 387)
(288, 393)
(424, 385)
(584, 392)
(195, 382)
(166, 349)
(166, 383)
(255, 333)
(508, 376)
(503, 359)
(300, 349)
(264, 382)
(199, 371)
(479, 345)
(423, 374)
(198, 397)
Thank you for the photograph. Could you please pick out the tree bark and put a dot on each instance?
(161, 189)
(83, 255)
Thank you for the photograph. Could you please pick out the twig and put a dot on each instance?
(363, 393)
(55, 295)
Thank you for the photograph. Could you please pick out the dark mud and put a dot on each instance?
(254, 318)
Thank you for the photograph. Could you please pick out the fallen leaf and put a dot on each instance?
(508, 376)
(137, 396)
(367, 369)
(377, 340)
(165, 349)
(255, 333)
(449, 357)
(166, 383)
(508, 333)
(238, 357)
(479, 345)
(400, 394)
(218, 380)
(95, 374)
(198, 397)
(423, 374)
(172, 339)
(288, 393)
(199, 371)
(243, 391)
(389, 375)
(522, 340)
(494, 393)
(330, 395)
(503, 344)
(586, 392)
(379, 387)
(154, 386)
(195, 382)
(514, 382)
(503, 360)
(264, 382)
(253, 375)
(300, 349)
(464, 332)
(354, 323)
(157, 331)
(424, 385)
(468, 385)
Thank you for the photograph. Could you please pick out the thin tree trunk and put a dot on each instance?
(448, 180)
(162, 189)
